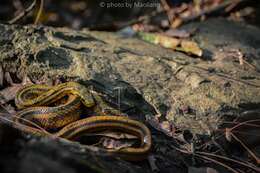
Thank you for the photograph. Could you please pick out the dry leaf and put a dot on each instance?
(190, 47)
(176, 23)
(116, 144)
(167, 42)
(186, 46)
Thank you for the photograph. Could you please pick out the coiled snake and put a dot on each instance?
(57, 110)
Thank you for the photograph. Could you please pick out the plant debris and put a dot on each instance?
(186, 46)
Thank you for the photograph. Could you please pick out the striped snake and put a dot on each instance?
(59, 111)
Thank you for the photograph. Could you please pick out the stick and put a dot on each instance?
(23, 13)
(39, 13)
(213, 11)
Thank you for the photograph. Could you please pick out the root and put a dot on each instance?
(23, 13)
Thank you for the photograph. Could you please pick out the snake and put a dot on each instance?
(57, 111)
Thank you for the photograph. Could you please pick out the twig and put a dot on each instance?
(28, 121)
(222, 75)
(237, 124)
(120, 25)
(217, 162)
(23, 13)
(212, 11)
(205, 154)
(245, 123)
(39, 13)
(232, 6)
(229, 159)
(247, 149)
(5, 108)
(199, 154)
(166, 8)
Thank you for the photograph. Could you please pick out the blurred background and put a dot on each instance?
(147, 14)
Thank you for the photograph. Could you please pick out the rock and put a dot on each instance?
(66, 158)
(164, 78)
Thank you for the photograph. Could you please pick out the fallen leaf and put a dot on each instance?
(190, 47)
(110, 143)
(176, 23)
(165, 41)
(178, 44)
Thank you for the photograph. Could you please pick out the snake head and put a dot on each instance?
(83, 92)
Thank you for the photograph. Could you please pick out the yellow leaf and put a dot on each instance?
(167, 42)
(190, 47)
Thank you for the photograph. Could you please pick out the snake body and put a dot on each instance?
(56, 111)
(37, 95)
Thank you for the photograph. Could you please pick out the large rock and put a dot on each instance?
(192, 92)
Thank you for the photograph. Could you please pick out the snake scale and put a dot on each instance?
(57, 111)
